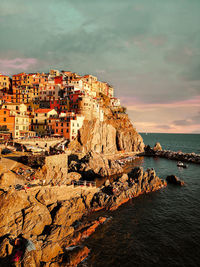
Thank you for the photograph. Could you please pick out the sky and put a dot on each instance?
(148, 50)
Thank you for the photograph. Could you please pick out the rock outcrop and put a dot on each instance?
(173, 179)
(95, 165)
(157, 147)
(45, 215)
(112, 135)
(6, 179)
(128, 186)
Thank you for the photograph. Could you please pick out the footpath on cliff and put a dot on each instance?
(50, 208)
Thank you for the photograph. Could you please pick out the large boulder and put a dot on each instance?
(173, 179)
(157, 147)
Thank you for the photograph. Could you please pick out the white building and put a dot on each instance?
(75, 125)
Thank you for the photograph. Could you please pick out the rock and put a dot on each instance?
(107, 182)
(157, 147)
(95, 164)
(5, 248)
(69, 212)
(50, 251)
(74, 176)
(128, 186)
(124, 178)
(109, 136)
(172, 179)
(76, 255)
(36, 218)
(12, 203)
(7, 179)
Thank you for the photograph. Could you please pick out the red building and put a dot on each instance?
(55, 104)
(58, 80)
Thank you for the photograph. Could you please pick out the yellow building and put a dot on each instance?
(4, 82)
(39, 123)
(17, 108)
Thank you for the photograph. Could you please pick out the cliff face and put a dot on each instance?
(114, 134)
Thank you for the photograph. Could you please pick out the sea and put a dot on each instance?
(156, 229)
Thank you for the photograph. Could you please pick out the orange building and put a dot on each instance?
(9, 98)
(60, 126)
(17, 79)
(7, 120)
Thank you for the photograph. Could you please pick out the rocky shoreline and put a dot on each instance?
(53, 213)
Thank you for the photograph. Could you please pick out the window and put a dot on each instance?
(4, 112)
(4, 119)
(17, 127)
(67, 130)
(56, 130)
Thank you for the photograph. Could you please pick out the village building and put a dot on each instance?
(49, 92)
(115, 102)
(4, 82)
(67, 125)
(39, 123)
(16, 108)
(16, 122)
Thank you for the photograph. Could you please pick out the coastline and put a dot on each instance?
(60, 207)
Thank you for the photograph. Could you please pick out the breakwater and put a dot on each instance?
(168, 154)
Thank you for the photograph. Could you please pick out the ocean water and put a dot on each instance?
(156, 229)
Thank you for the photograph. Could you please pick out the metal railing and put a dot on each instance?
(84, 183)
(39, 139)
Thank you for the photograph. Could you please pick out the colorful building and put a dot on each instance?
(66, 126)
(39, 123)
(5, 82)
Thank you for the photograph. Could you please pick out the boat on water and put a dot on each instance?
(181, 164)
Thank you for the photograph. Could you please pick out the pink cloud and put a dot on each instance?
(133, 103)
(17, 63)
(174, 117)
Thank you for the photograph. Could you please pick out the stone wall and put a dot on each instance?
(54, 170)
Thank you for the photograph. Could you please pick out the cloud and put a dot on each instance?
(17, 64)
(190, 121)
(164, 127)
(182, 122)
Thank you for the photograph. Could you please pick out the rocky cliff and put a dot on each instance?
(114, 134)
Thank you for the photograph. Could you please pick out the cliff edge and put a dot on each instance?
(113, 134)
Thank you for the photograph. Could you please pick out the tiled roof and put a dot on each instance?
(43, 110)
